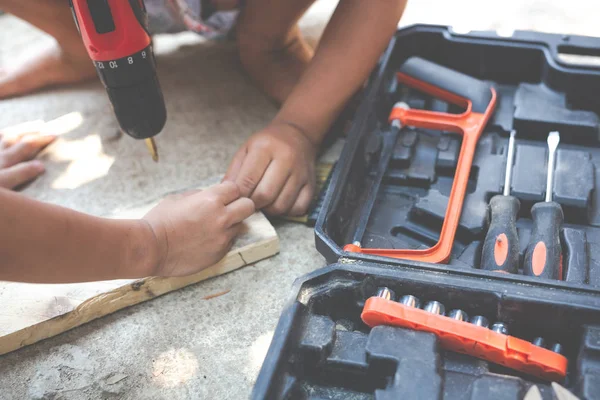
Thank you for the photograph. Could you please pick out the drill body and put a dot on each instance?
(117, 40)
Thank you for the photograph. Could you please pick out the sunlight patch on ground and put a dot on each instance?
(88, 161)
(174, 367)
(259, 350)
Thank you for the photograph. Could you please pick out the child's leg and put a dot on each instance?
(64, 62)
(271, 46)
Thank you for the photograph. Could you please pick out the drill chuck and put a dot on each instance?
(135, 93)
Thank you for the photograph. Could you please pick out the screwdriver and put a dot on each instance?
(501, 245)
(543, 257)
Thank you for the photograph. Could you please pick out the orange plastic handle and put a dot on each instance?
(470, 125)
(466, 338)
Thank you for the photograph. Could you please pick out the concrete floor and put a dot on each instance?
(179, 346)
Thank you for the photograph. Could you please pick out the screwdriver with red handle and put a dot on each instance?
(501, 244)
(543, 257)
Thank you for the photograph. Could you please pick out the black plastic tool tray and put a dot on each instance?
(322, 350)
(537, 93)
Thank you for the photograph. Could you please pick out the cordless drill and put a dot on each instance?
(117, 40)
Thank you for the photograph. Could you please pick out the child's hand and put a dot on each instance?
(196, 230)
(276, 169)
(16, 151)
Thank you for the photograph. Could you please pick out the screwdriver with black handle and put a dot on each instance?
(501, 244)
(543, 257)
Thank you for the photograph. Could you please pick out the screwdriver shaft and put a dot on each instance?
(553, 140)
(510, 156)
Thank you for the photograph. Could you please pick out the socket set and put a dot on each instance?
(335, 340)
(471, 336)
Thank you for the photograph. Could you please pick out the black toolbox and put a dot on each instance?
(321, 348)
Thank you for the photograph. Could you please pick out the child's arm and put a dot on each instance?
(276, 166)
(352, 43)
(184, 234)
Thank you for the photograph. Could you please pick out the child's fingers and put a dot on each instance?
(21, 173)
(239, 210)
(226, 191)
(271, 184)
(25, 150)
(236, 164)
(37, 136)
(252, 170)
(188, 193)
(301, 205)
(40, 141)
(13, 134)
(287, 197)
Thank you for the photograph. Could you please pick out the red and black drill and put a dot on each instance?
(116, 37)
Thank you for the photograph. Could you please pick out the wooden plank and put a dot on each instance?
(33, 312)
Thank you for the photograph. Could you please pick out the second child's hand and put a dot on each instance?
(276, 169)
(17, 153)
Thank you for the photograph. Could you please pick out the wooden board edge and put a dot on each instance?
(134, 293)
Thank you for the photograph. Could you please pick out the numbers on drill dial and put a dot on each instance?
(130, 68)
(114, 64)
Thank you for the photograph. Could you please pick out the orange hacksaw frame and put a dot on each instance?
(470, 124)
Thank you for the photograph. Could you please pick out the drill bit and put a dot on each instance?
(480, 320)
(500, 327)
(557, 348)
(539, 341)
(152, 148)
(435, 307)
(385, 293)
(458, 315)
(411, 301)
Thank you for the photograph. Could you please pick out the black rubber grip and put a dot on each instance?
(576, 262)
(543, 257)
(501, 245)
(465, 86)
